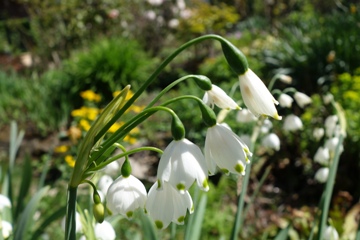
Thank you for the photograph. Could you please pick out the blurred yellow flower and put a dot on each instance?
(70, 160)
(92, 113)
(128, 96)
(130, 139)
(84, 124)
(136, 109)
(61, 149)
(86, 112)
(115, 127)
(90, 96)
(74, 133)
(81, 112)
(135, 130)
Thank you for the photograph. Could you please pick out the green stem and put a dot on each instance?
(70, 224)
(329, 188)
(239, 218)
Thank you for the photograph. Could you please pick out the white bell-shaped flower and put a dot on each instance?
(271, 141)
(322, 174)
(330, 125)
(302, 99)
(104, 231)
(225, 149)
(292, 123)
(318, 133)
(330, 233)
(104, 183)
(125, 195)
(181, 164)
(167, 204)
(245, 116)
(256, 95)
(4, 202)
(6, 229)
(285, 79)
(266, 126)
(322, 156)
(332, 144)
(285, 100)
(218, 97)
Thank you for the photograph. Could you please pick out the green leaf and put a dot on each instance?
(283, 234)
(148, 227)
(193, 229)
(54, 216)
(23, 226)
(24, 187)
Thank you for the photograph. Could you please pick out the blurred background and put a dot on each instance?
(60, 56)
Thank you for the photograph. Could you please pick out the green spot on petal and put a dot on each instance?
(205, 185)
(180, 187)
(159, 224)
(159, 183)
(239, 168)
(130, 214)
(225, 171)
(181, 219)
(192, 208)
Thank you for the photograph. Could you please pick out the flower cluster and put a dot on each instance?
(325, 153)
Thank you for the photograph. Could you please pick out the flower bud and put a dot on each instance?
(177, 128)
(126, 169)
(208, 115)
(203, 82)
(99, 212)
(235, 58)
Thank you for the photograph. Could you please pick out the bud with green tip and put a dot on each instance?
(203, 82)
(208, 115)
(99, 212)
(234, 57)
(126, 168)
(177, 128)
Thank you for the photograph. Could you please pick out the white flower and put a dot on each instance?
(318, 133)
(6, 229)
(218, 97)
(322, 156)
(104, 231)
(155, 2)
(302, 99)
(112, 168)
(285, 100)
(332, 143)
(225, 149)
(166, 204)
(181, 164)
(173, 23)
(151, 15)
(328, 98)
(244, 115)
(330, 125)
(104, 183)
(266, 126)
(125, 195)
(322, 175)
(256, 95)
(271, 141)
(292, 123)
(4, 202)
(285, 79)
(330, 234)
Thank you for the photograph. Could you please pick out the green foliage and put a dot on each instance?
(33, 100)
(107, 66)
(346, 88)
(315, 47)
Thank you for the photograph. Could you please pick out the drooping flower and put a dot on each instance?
(125, 195)
(330, 233)
(318, 133)
(181, 164)
(285, 100)
(6, 229)
(330, 125)
(266, 126)
(322, 174)
(225, 149)
(302, 99)
(4, 202)
(332, 144)
(218, 97)
(104, 231)
(292, 123)
(256, 95)
(244, 115)
(285, 79)
(322, 156)
(271, 141)
(104, 183)
(166, 205)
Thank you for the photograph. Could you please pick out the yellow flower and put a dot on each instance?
(81, 112)
(128, 96)
(130, 139)
(61, 149)
(84, 124)
(90, 96)
(70, 160)
(136, 109)
(92, 113)
(115, 127)
(135, 130)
